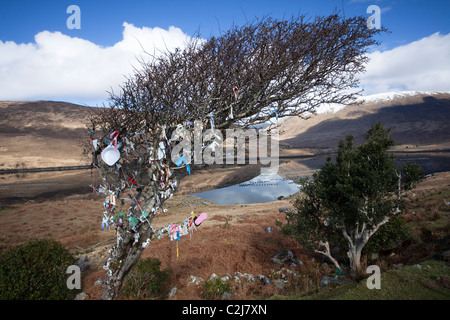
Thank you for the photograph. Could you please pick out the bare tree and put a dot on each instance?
(244, 77)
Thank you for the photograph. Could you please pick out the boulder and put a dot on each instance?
(172, 292)
(226, 296)
(193, 280)
(83, 266)
(265, 280)
(283, 209)
(280, 283)
(81, 296)
(282, 257)
(325, 281)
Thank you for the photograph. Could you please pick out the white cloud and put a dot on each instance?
(422, 65)
(60, 67)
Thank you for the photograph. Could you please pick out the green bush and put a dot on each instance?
(215, 288)
(35, 271)
(146, 280)
(391, 235)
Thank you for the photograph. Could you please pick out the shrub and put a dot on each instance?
(215, 288)
(389, 236)
(146, 280)
(35, 271)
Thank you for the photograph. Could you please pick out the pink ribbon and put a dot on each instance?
(115, 134)
(235, 90)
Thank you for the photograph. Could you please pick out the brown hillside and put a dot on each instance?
(415, 120)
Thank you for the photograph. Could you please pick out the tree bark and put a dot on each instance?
(327, 253)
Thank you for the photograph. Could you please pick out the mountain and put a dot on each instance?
(37, 134)
(416, 119)
(41, 134)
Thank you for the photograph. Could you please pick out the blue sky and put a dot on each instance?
(102, 27)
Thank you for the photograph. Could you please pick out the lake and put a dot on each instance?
(268, 187)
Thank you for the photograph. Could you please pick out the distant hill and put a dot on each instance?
(417, 119)
(41, 134)
(46, 133)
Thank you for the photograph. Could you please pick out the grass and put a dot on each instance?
(408, 283)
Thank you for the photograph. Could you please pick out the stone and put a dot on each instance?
(296, 262)
(83, 266)
(82, 296)
(280, 283)
(83, 258)
(98, 282)
(226, 295)
(418, 266)
(283, 209)
(213, 276)
(172, 292)
(268, 229)
(193, 280)
(325, 281)
(397, 265)
(225, 278)
(282, 257)
(374, 256)
(265, 280)
(249, 277)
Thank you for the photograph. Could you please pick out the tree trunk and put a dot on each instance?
(126, 252)
(122, 259)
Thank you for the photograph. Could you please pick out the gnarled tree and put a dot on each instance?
(244, 77)
(348, 200)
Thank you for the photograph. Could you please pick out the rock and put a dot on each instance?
(249, 277)
(374, 256)
(98, 282)
(226, 295)
(213, 276)
(83, 266)
(283, 209)
(172, 292)
(296, 262)
(282, 257)
(81, 296)
(268, 229)
(225, 278)
(265, 280)
(83, 258)
(418, 266)
(280, 283)
(193, 280)
(237, 279)
(325, 281)
(397, 265)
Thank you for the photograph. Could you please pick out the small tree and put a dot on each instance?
(348, 200)
(250, 74)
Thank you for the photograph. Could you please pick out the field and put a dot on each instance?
(234, 239)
